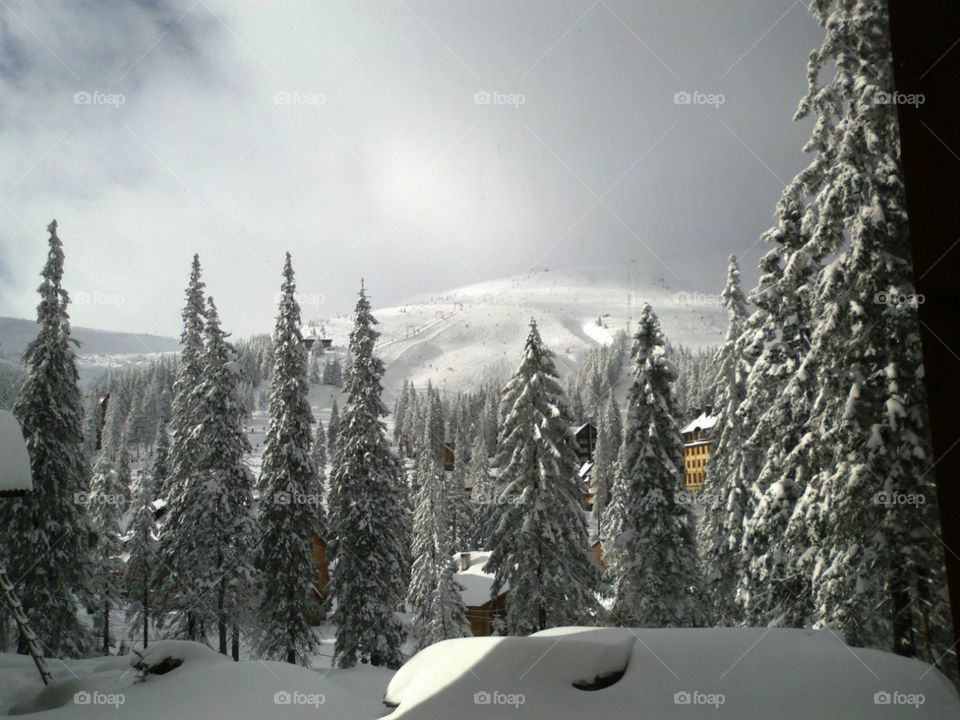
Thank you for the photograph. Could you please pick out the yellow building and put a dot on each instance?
(697, 444)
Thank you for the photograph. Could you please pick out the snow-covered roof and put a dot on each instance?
(585, 470)
(476, 583)
(701, 422)
(668, 674)
(15, 477)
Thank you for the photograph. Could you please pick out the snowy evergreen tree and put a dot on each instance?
(873, 563)
(333, 429)
(369, 513)
(434, 594)
(400, 412)
(143, 569)
(483, 490)
(291, 510)
(45, 534)
(183, 532)
(460, 515)
(224, 484)
(605, 468)
(319, 454)
(728, 484)
(652, 550)
(538, 538)
(91, 424)
(107, 503)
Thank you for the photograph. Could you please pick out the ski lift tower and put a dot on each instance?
(16, 481)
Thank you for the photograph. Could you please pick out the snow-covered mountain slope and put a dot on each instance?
(460, 338)
(99, 349)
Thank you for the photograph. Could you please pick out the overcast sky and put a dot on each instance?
(421, 145)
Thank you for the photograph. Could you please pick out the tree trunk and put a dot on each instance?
(106, 627)
(146, 613)
(903, 637)
(236, 643)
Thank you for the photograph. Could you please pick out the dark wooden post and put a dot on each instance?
(926, 58)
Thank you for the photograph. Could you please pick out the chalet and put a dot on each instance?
(698, 441)
(449, 455)
(321, 564)
(586, 437)
(486, 614)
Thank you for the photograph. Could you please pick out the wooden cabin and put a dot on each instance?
(698, 442)
(483, 612)
(586, 437)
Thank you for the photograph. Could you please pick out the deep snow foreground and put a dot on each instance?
(206, 686)
(722, 674)
(742, 674)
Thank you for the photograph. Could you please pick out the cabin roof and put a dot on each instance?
(702, 422)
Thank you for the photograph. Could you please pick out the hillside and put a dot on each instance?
(461, 337)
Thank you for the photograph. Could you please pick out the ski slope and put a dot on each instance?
(463, 337)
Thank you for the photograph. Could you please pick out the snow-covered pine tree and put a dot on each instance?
(400, 412)
(183, 532)
(369, 513)
(870, 506)
(45, 534)
(460, 515)
(483, 490)
(91, 423)
(319, 454)
(224, 484)
(107, 503)
(434, 594)
(333, 429)
(605, 469)
(538, 538)
(728, 483)
(291, 510)
(652, 550)
(143, 568)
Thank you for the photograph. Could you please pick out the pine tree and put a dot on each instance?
(400, 411)
(45, 534)
(538, 539)
(483, 490)
(869, 507)
(224, 483)
(460, 514)
(727, 487)
(319, 454)
(434, 594)
(369, 513)
(183, 532)
(333, 429)
(107, 503)
(652, 553)
(605, 468)
(291, 510)
(91, 424)
(143, 569)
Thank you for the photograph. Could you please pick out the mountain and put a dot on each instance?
(99, 349)
(459, 338)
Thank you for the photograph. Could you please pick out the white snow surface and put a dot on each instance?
(207, 686)
(720, 673)
(15, 467)
(463, 337)
(475, 582)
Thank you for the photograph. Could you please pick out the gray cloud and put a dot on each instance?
(420, 145)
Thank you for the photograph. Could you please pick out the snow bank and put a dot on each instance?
(735, 674)
(206, 685)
